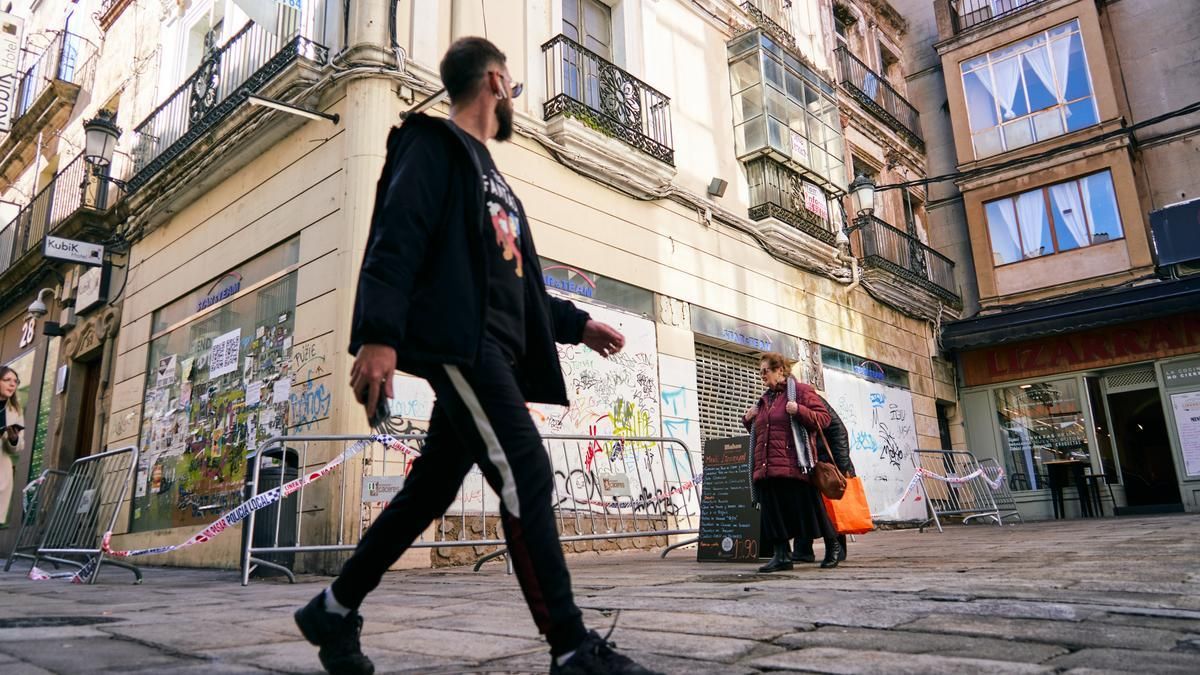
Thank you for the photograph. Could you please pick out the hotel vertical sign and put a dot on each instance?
(11, 28)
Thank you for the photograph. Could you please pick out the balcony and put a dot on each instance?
(72, 205)
(584, 86)
(46, 92)
(902, 257)
(229, 74)
(877, 96)
(771, 17)
(966, 14)
(778, 192)
(109, 11)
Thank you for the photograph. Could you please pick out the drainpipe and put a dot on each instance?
(106, 363)
(844, 255)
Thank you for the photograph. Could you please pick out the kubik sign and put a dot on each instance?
(74, 251)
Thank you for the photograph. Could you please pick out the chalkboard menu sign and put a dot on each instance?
(728, 521)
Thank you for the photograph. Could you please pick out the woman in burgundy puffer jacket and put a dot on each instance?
(790, 507)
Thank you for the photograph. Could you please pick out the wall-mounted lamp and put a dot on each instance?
(863, 190)
(716, 187)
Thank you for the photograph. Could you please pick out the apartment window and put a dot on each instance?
(589, 24)
(781, 106)
(1055, 218)
(1029, 91)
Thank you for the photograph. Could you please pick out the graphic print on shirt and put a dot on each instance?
(502, 207)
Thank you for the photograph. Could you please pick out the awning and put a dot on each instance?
(1079, 312)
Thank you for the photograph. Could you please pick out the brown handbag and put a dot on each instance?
(828, 480)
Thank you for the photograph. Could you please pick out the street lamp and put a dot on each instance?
(863, 190)
(101, 138)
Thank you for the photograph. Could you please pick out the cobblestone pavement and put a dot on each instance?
(1078, 596)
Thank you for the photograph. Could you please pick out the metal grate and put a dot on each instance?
(1131, 379)
(728, 383)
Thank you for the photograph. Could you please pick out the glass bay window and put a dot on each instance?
(782, 108)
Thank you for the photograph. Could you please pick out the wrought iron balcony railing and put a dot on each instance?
(778, 192)
(75, 188)
(876, 95)
(225, 79)
(970, 13)
(885, 247)
(68, 59)
(583, 85)
(770, 15)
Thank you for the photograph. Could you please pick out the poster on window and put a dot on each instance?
(223, 355)
(799, 148)
(883, 436)
(1187, 423)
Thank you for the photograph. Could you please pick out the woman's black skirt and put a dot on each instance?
(791, 509)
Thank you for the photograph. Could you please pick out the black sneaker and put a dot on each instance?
(595, 656)
(336, 635)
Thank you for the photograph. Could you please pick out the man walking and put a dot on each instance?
(451, 290)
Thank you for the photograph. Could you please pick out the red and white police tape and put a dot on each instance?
(893, 512)
(234, 516)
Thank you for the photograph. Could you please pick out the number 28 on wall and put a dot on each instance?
(28, 329)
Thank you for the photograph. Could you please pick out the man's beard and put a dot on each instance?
(504, 115)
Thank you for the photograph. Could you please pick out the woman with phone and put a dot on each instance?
(12, 426)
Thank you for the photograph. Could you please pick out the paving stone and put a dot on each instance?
(301, 657)
(1090, 634)
(1131, 661)
(832, 660)
(56, 632)
(193, 638)
(459, 645)
(908, 642)
(705, 648)
(91, 655)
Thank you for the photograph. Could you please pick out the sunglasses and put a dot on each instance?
(516, 87)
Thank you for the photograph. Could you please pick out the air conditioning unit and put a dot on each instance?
(1175, 229)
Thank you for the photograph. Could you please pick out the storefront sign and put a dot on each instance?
(74, 251)
(224, 288)
(745, 334)
(90, 291)
(580, 283)
(11, 28)
(1098, 348)
(1182, 374)
(28, 331)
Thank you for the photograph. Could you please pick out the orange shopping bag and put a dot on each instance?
(850, 514)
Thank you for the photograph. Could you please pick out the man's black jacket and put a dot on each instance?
(423, 287)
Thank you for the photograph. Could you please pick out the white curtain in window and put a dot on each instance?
(1060, 51)
(1008, 79)
(1070, 210)
(1031, 209)
(1008, 217)
(1039, 60)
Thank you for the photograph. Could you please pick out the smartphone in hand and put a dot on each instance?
(383, 411)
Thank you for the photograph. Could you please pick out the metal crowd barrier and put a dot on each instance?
(89, 500)
(605, 488)
(968, 500)
(36, 509)
(1003, 495)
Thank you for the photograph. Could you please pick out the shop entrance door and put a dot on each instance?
(1143, 444)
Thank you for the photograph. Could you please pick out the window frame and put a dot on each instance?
(985, 64)
(1049, 212)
